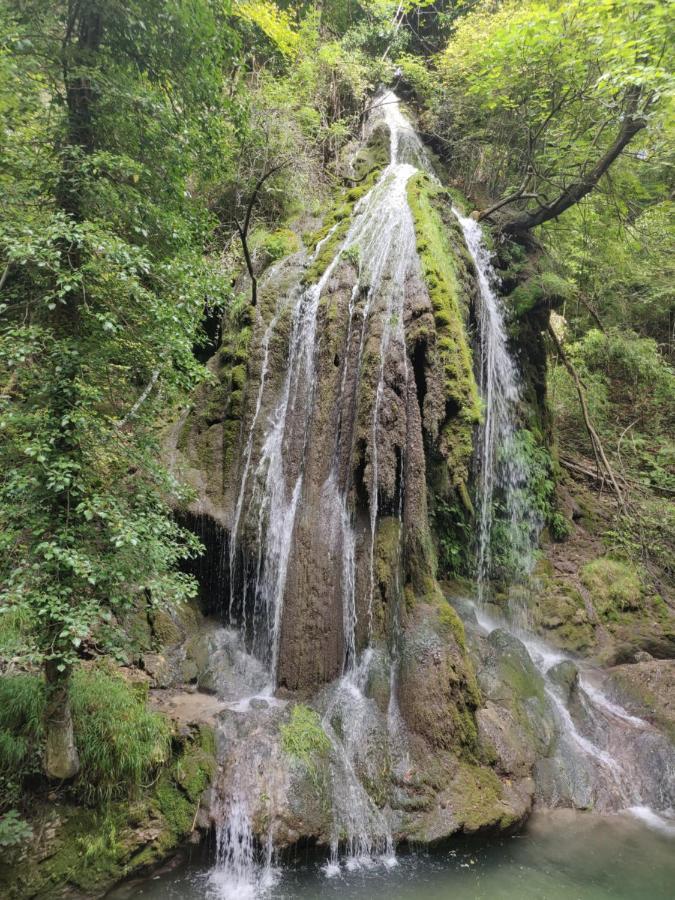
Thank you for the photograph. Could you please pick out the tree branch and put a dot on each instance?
(517, 195)
(137, 405)
(598, 449)
(632, 124)
(242, 230)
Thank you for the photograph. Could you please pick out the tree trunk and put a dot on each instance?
(61, 757)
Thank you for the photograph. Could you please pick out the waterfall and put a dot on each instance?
(502, 467)
(272, 505)
(604, 755)
(381, 234)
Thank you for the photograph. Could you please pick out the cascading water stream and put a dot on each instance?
(601, 747)
(385, 237)
(382, 234)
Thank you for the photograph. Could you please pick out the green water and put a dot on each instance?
(559, 856)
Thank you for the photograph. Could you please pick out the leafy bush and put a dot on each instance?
(13, 830)
(631, 360)
(559, 526)
(21, 734)
(518, 520)
(279, 243)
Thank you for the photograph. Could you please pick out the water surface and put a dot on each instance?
(561, 855)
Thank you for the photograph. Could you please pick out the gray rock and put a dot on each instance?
(566, 675)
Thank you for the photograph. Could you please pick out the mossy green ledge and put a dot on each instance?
(79, 851)
(443, 259)
(367, 166)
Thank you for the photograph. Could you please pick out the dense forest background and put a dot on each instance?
(151, 151)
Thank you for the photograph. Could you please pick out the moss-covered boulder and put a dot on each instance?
(614, 585)
(77, 850)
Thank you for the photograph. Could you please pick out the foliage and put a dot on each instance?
(531, 494)
(272, 21)
(13, 830)
(120, 742)
(453, 531)
(21, 734)
(105, 280)
(536, 92)
(631, 396)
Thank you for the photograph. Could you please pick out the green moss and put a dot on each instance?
(614, 585)
(477, 799)
(276, 244)
(89, 850)
(165, 629)
(374, 156)
(515, 669)
(368, 167)
(303, 736)
(451, 623)
(544, 287)
(438, 249)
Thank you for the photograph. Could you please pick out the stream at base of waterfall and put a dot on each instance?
(598, 758)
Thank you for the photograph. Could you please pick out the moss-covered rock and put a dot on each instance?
(75, 849)
(614, 585)
(438, 693)
(276, 244)
(335, 228)
(445, 263)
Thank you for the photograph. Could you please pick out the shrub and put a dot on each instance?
(13, 830)
(559, 527)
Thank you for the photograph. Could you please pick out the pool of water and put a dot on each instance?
(559, 856)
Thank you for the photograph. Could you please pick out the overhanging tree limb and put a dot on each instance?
(520, 194)
(631, 125)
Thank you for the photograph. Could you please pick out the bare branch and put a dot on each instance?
(141, 400)
(242, 230)
(631, 125)
(596, 443)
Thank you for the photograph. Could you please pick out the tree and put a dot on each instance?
(109, 118)
(549, 95)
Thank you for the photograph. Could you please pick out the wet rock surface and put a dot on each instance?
(647, 689)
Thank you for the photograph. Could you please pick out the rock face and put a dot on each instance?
(341, 412)
(329, 454)
(647, 689)
(344, 393)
